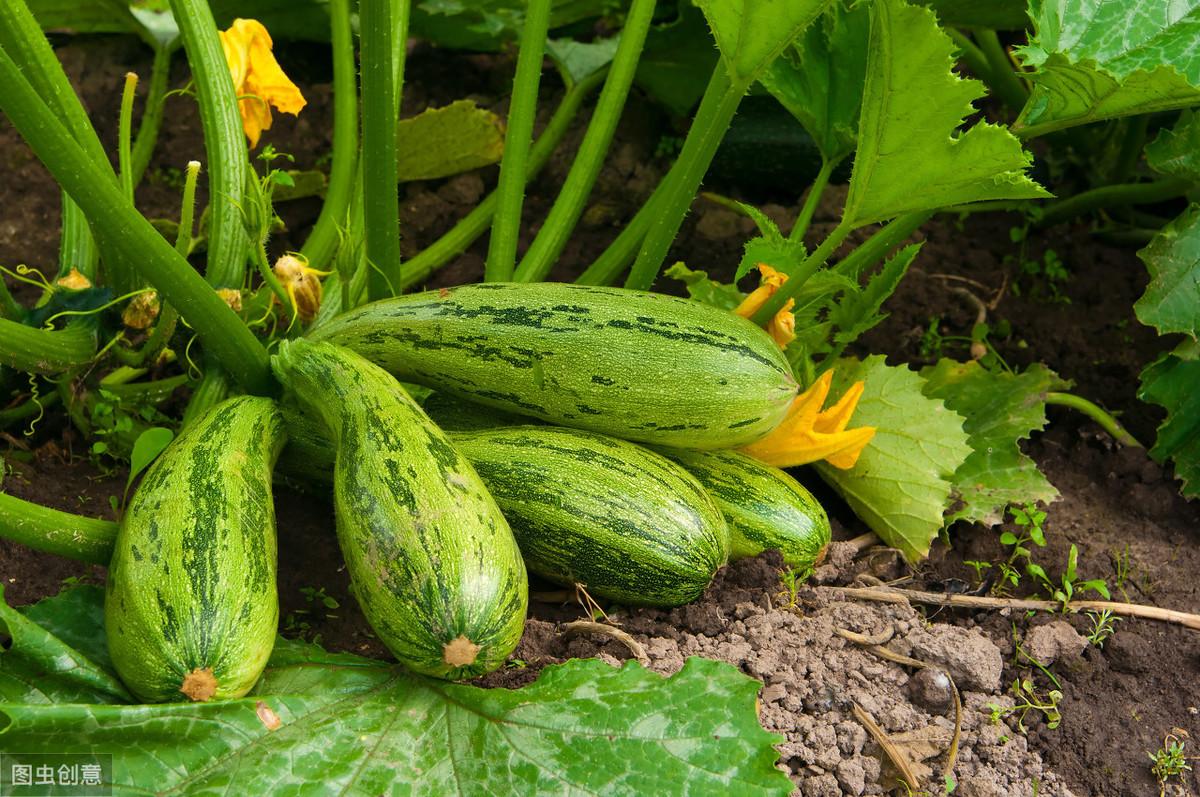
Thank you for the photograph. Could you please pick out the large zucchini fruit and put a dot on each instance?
(621, 520)
(431, 558)
(766, 509)
(191, 608)
(635, 365)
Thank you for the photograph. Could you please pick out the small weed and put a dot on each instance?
(979, 568)
(516, 664)
(792, 579)
(1041, 279)
(1120, 563)
(1169, 761)
(1103, 627)
(1070, 585)
(1029, 699)
(932, 340)
(317, 595)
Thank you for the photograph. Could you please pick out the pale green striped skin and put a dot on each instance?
(765, 507)
(631, 364)
(192, 580)
(430, 555)
(588, 509)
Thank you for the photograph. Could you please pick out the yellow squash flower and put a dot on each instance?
(257, 78)
(782, 328)
(809, 434)
(302, 283)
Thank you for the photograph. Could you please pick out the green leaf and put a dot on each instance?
(902, 482)
(858, 311)
(703, 289)
(83, 16)
(576, 60)
(298, 184)
(1176, 150)
(1173, 382)
(995, 14)
(1099, 59)
(488, 24)
(149, 444)
(1171, 302)
(674, 54)
(356, 726)
(42, 668)
(1000, 409)
(819, 79)
(752, 33)
(442, 141)
(911, 156)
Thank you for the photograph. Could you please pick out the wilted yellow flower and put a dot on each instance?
(74, 280)
(141, 311)
(809, 434)
(302, 283)
(782, 328)
(231, 297)
(257, 78)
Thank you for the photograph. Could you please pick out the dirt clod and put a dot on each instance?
(930, 689)
(1054, 641)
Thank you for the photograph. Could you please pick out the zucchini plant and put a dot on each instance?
(424, 517)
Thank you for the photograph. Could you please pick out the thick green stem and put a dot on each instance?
(214, 387)
(796, 280)
(46, 351)
(323, 240)
(125, 136)
(224, 143)
(1103, 419)
(381, 207)
(812, 200)
(222, 331)
(576, 189)
(22, 38)
(49, 530)
(152, 112)
(1109, 196)
(514, 169)
(877, 247)
(716, 111)
(1004, 82)
(1132, 140)
(465, 232)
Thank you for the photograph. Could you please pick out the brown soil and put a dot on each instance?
(1117, 505)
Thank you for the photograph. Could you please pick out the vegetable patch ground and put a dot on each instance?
(1120, 509)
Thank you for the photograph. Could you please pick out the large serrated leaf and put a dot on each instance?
(1171, 302)
(323, 723)
(1176, 150)
(442, 141)
(1000, 409)
(752, 33)
(911, 156)
(819, 79)
(901, 485)
(1173, 382)
(1099, 59)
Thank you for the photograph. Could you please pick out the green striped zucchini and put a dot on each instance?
(588, 509)
(766, 509)
(431, 558)
(191, 607)
(635, 365)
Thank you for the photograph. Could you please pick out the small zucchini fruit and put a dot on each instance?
(618, 519)
(191, 608)
(432, 560)
(635, 365)
(766, 509)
